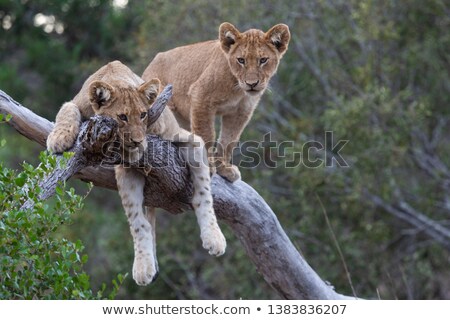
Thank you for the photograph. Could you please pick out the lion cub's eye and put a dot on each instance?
(241, 61)
(123, 117)
(263, 60)
(143, 115)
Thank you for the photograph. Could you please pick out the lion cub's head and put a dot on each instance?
(129, 106)
(253, 55)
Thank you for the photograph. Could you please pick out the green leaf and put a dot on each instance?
(59, 190)
(21, 179)
(68, 155)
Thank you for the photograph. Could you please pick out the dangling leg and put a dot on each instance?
(194, 152)
(151, 217)
(131, 189)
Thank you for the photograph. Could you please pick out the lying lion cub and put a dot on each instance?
(224, 77)
(115, 91)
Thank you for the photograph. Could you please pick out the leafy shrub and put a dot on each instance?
(36, 263)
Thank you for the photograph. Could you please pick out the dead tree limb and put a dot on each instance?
(168, 186)
(404, 212)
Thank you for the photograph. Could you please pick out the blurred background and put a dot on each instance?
(375, 73)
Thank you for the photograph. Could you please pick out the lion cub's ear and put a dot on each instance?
(228, 35)
(100, 94)
(279, 36)
(150, 89)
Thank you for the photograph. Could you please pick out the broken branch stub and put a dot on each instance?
(158, 106)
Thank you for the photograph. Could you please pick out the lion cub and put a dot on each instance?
(115, 91)
(224, 77)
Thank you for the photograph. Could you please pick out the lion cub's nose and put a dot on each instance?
(252, 84)
(137, 141)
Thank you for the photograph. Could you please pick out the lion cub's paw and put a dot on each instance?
(229, 172)
(60, 140)
(214, 241)
(145, 270)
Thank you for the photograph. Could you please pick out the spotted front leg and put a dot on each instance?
(195, 155)
(131, 189)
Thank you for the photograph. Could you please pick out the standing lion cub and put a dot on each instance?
(224, 77)
(115, 91)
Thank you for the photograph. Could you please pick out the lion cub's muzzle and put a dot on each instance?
(253, 86)
(133, 147)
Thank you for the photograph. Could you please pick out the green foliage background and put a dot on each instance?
(35, 261)
(374, 72)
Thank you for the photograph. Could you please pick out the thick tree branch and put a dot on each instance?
(168, 186)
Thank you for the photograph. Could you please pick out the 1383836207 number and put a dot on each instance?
(306, 309)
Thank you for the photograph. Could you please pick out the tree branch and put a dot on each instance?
(406, 213)
(168, 186)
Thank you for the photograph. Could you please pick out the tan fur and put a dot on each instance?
(210, 78)
(115, 91)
